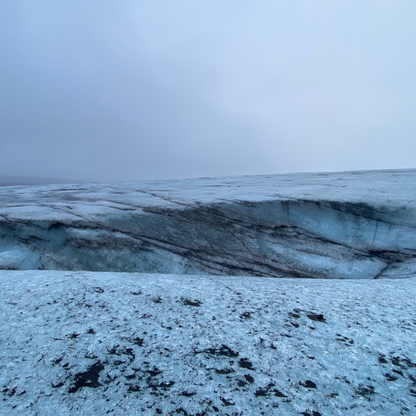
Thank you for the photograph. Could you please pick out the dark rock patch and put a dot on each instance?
(309, 384)
(346, 341)
(278, 393)
(396, 361)
(245, 363)
(365, 391)
(404, 363)
(154, 372)
(88, 378)
(227, 402)
(9, 392)
(137, 341)
(157, 299)
(116, 350)
(187, 393)
(261, 392)
(224, 370)
(316, 317)
(58, 360)
(249, 378)
(266, 391)
(191, 302)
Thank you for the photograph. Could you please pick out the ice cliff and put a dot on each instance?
(317, 225)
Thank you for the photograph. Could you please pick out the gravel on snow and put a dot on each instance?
(82, 343)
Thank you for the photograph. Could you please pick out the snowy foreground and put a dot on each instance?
(359, 225)
(81, 343)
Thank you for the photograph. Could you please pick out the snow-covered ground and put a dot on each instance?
(78, 343)
(322, 225)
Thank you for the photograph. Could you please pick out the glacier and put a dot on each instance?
(325, 225)
(237, 296)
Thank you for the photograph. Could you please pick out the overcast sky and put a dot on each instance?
(124, 90)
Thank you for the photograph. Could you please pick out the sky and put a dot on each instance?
(127, 90)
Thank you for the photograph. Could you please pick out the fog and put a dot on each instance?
(106, 91)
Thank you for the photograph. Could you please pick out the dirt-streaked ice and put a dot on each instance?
(327, 225)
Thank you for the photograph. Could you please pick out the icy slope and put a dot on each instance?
(78, 343)
(330, 225)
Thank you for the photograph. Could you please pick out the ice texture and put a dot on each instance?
(203, 329)
(83, 343)
(358, 225)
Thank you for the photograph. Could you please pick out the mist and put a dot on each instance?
(110, 91)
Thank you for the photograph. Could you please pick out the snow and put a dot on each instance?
(358, 225)
(140, 344)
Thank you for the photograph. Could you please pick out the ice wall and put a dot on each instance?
(338, 225)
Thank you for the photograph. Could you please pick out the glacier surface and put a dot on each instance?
(319, 225)
(85, 343)
(156, 298)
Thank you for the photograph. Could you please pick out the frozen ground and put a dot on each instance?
(323, 225)
(78, 343)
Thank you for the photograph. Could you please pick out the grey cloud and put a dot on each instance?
(127, 90)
